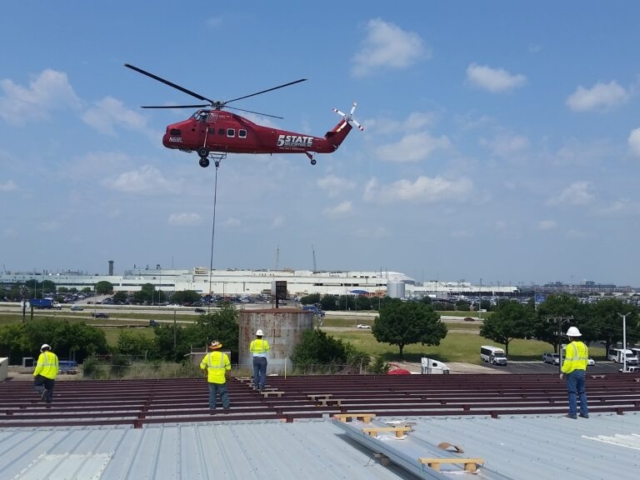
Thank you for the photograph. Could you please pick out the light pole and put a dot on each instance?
(624, 341)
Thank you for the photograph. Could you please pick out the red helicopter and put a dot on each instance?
(214, 133)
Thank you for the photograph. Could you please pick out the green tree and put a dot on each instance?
(222, 326)
(103, 288)
(318, 350)
(328, 303)
(137, 344)
(605, 324)
(463, 306)
(560, 306)
(48, 287)
(120, 296)
(310, 299)
(186, 296)
(510, 320)
(146, 294)
(405, 323)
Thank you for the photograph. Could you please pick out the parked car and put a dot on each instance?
(552, 358)
(77, 308)
(100, 315)
(200, 310)
(362, 326)
(591, 362)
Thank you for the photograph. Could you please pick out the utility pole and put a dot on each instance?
(560, 321)
(624, 340)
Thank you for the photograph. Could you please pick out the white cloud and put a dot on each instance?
(49, 226)
(375, 232)
(422, 190)
(388, 46)
(494, 79)
(576, 194)
(412, 147)
(617, 207)
(146, 180)
(506, 146)
(634, 141)
(343, 209)
(278, 222)
(547, 224)
(8, 186)
(600, 97)
(501, 225)
(213, 22)
(50, 90)
(109, 113)
(460, 233)
(185, 219)
(231, 223)
(415, 121)
(335, 185)
(577, 234)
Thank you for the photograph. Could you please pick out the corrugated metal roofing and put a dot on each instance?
(540, 447)
(521, 447)
(230, 450)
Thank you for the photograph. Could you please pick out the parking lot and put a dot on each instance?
(538, 366)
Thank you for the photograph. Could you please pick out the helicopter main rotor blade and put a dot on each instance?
(265, 91)
(176, 106)
(167, 82)
(257, 113)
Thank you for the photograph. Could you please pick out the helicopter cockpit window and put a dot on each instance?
(231, 132)
(201, 116)
(242, 133)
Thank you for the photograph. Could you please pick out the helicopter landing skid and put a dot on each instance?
(311, 155)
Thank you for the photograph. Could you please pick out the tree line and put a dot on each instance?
(598, 322)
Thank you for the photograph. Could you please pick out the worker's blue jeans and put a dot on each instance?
(259, 372)
(216, 389)
(576, 388)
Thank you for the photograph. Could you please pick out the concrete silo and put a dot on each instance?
(282, 328)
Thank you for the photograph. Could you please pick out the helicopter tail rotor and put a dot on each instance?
(348, 117)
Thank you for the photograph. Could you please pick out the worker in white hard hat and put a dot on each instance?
(44, 376)
(259, 349)
(574, 367)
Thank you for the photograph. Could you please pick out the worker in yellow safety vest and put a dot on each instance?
(575, 367)
(216, 364)
(259, 349)
(45, 373)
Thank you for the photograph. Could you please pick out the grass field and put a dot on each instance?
(458, 346)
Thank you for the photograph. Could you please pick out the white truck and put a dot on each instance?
(431, 366)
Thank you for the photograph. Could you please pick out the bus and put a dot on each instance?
(493, 355)
(618, 355)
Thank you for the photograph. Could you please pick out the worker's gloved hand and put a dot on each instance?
(561, 376)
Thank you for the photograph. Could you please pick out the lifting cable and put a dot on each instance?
(213, 232)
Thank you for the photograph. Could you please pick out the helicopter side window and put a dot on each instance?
(242, 133)
(221, 131)
(231, 132)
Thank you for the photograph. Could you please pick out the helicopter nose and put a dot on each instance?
(172, 138)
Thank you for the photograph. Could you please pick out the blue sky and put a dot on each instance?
(501, 142)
